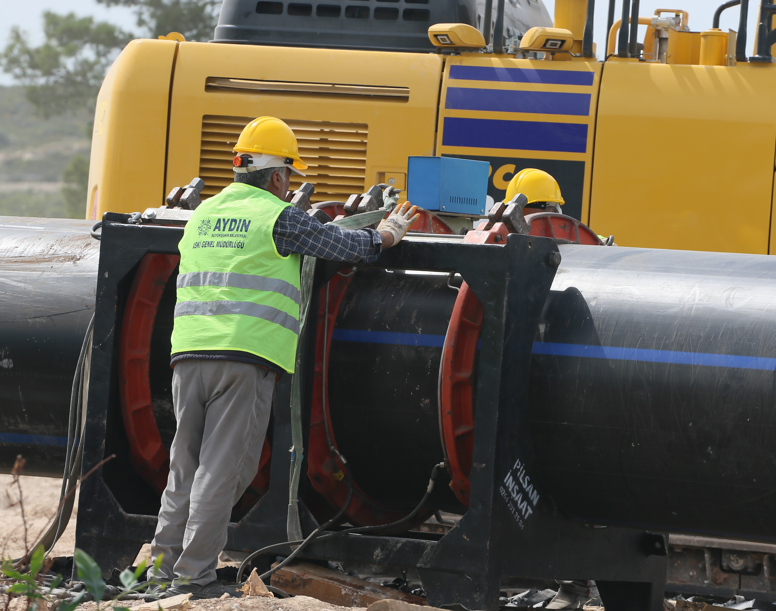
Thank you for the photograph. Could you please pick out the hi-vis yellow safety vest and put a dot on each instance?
(235, 292)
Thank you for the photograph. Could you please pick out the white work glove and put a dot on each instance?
(399, 221)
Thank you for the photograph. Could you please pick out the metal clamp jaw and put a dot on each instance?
(377, 196)
(511, 214)
(379, 199)
(181, 203)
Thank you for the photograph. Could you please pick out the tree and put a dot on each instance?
(195, 19)
(65, 72)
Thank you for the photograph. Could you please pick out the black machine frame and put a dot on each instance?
(512, 527)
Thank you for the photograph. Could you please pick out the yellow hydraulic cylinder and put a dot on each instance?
(714, 44)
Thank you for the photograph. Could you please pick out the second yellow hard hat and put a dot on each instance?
(270, 136)
(536, 185)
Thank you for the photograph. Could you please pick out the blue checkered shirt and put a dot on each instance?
(297, 232)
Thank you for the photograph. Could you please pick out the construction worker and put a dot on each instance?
(539, 187)
(235, 331)
(543, 194)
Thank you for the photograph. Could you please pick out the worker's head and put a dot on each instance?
(539, 187)
(275, 179)
(266, 153)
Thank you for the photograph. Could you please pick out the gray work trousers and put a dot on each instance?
(222, 409)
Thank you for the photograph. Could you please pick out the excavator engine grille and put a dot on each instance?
(334, 152)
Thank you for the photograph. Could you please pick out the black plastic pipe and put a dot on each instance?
(653, 390)
(48, 277)
(634, 29)
(622, 38)
(587, 37)
(720, 9)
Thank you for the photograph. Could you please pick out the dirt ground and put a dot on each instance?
(253, 603)
(40, 496)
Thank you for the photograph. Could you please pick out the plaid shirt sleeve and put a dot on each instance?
(297, 232)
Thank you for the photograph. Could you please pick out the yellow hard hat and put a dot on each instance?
(536, 185)
(270, 136)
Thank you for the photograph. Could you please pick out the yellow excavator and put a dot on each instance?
(667, 142)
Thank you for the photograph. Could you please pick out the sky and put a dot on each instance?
(28, 17)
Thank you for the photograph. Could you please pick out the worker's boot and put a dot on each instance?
(214, 589)
(155, 591)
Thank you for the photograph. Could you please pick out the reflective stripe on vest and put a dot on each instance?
(240, 281)
(235, 292)
(246, 308)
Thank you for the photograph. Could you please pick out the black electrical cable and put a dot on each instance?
(408, 518)
(76, 403)
(324, 376)
(74, 425)
(95, 227)
(71, 425)
(441, 520)
(301, 543)
(348, 531)
(279, 592)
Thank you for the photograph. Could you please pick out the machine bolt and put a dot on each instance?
(554, 259)
(151, 214)
(736, 562)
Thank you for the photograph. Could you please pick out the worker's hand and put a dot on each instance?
(398, 222)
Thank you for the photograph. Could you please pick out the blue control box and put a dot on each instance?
(448, 184)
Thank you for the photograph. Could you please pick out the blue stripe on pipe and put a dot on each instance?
(521, 75)
(385, 337)
(523, 135)
(33, 440)
(646, 355)
(499, 100)
(573, 350)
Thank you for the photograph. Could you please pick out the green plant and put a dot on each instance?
(30, 585)
(26, 574)
(27, 584)
(90, 574)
